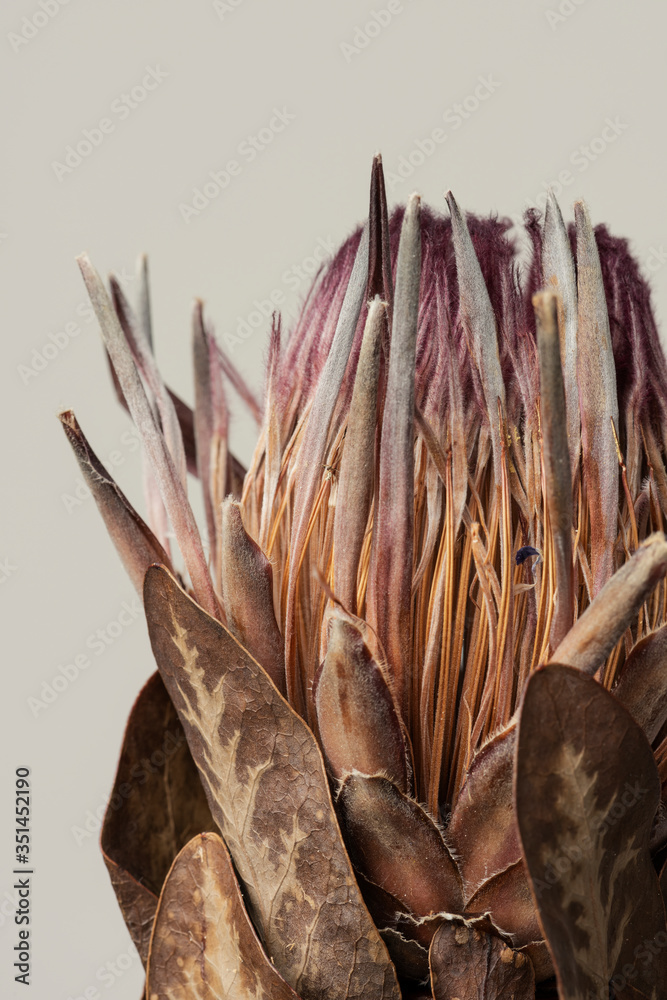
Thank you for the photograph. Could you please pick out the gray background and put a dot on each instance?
(554, 74)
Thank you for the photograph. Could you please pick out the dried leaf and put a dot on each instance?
(273, 448)
(468, 962)
(136, 544)
(145, 361)
(587, 790)
(396, 845)
(313, 448)
(204, 946)
(379, 251)
(409, 957)
(593, 636)
(558, 273)
(157, 805)
(642, 687)
(171, 488)
(479, 323)
(210, 424)
(358, 721)
(144, 301)
(357, 469)
(268, 792)
(390, 579)
(598, 402)
(556, 460)
(247, 591)
(508, 898)
(482, 830)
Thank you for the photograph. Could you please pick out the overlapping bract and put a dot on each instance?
(428, 628)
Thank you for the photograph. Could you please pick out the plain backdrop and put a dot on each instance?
(520, 95)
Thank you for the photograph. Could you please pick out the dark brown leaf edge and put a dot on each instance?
(586, 792)
(157, 805)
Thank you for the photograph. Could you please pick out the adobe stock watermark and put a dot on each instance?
(131, 442)
(31, 25)
(224, 7)
(557, 869)
(655, 259)
(247, 150)
(97, 643)
(365, 34)
(643, 954)
(7, 569)
(580, 159)
(120, 110)
(53, 345)
(108, 974)
(455, 117)
(91, 824)
(564, 11)
(292, 278)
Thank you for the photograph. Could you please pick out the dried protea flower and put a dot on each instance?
(409, 730)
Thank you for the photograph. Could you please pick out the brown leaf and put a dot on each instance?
(247, 592)
(508, 898)
(357, 470)
(642, 687)
(409, 957)
(484, 814)
(389, 600)
(558, 274)
(598, 402)
(204, 946)
(137, 904)
(468, 962)
(396, 845)
(135, 543)
(210, 425)
(313, 452)
(379, 246)
(156, 806)
(593, 636)
(390, 914)
(268, 792)
(358, 721)
(587, 790)
(663, 880)
(479, 324)
(273, 446)
(556, 459)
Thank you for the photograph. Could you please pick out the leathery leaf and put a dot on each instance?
(157, 805)
(587, 790)
(266, 784)
(204, 946)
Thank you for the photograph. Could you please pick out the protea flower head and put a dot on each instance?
(409, 730)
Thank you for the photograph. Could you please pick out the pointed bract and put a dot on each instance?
(136, 544)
